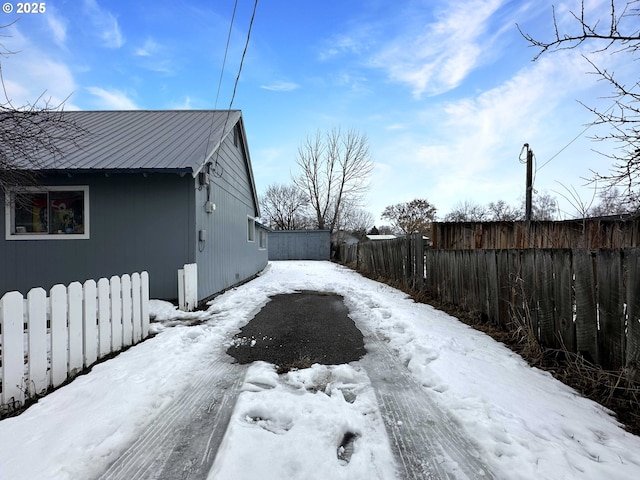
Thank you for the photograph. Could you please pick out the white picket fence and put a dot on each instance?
(45, 340)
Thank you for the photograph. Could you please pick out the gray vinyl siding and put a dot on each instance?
(299, 245)
(227, 257)
(136, 223)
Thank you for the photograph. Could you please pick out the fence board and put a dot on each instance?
(74, 306)
(59, 335)
(545, 304)
(37, 340)
(611, 313)
(104, 328)
(144, 303)
(563, 298)
(586, 309)
(136, 311)
(632, 362)
(116, 313)
(11, 316)
(89, 322)
(127, 327)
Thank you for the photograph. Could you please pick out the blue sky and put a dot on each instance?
(445, 90)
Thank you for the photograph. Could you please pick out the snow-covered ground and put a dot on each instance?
(523, 423)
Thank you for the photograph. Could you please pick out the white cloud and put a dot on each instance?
(57, 25)
(105, 24)
(31, 76)
(280, 86)
(439, 59)
(149, 48)
(113, 99)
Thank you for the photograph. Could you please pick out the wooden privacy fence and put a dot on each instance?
(46, 340)
(400, 260)
(585, 301)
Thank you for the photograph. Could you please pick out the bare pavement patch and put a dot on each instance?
(298, 330)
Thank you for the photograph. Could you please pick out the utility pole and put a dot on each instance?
(529, 190)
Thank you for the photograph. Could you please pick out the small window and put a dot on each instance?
(262, 235)
(47, 213)
(251, 230)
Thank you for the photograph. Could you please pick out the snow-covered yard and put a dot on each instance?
(318, 423)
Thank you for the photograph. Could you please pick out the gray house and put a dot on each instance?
(144, 190)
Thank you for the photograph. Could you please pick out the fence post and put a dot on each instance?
(11, 318)
(37, 344)
(59, 347)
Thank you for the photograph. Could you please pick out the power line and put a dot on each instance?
(224, 62)
(226, 50)
(235, 85)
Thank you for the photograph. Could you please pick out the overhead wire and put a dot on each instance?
(237, 80)
(224, 62)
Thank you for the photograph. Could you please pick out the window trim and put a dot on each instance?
(9, 210)
(262, 235)
(251, 229)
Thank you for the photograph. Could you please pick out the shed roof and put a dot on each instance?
(178, 140)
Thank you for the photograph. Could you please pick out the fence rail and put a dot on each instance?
(47, 339)
(587, 301)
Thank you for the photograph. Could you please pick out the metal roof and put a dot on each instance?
(178, 140)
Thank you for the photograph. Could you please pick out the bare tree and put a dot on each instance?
(335, 169)
(32, 136)
(356, 221)
(544, 207)
(500, 211)
(415, 216)
(612, 203)
(620, 34)
(284, 207)
(467, 211)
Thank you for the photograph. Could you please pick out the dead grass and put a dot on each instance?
(615, 390)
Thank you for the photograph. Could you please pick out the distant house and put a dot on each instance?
(145, 190)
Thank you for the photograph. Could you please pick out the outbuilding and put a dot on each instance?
(141, 190)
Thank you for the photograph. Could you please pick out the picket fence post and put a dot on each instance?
(37, 344)
(11, 316)
(74, 298)
(89, 322)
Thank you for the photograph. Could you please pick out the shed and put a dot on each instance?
(299, 245)
(143, 190)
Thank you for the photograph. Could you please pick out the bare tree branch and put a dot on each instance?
(620, 35)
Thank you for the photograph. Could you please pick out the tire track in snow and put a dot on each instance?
(181, 443)
(426, 441)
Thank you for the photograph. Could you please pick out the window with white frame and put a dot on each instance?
(251, 229)
(47, 212)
